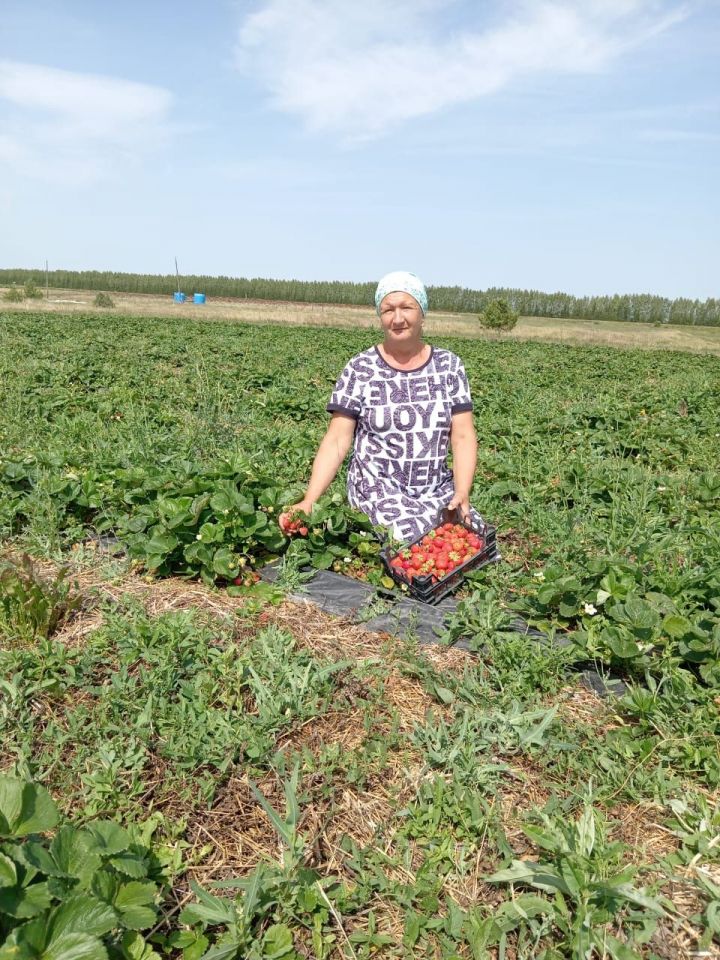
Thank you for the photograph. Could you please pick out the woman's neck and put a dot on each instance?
(409, 355)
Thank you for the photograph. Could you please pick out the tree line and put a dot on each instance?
(637, 308)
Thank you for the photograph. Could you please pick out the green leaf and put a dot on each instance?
(159, 546)
(676, 626)
(573, 877)
(38, 856)
(608, 945)
(638, 897)
(586, 831)
(211, 533)
(81, 913)
(75, 946)
(413, 926)
(228, 499)
(322, 561)
(523, 907)
(135, 947)
(130, 865)
(533, 874)
(30, 938)
(277, 942)
(260, 591)
(210, 909)
(226, 563)
(110, 837)
(8, 871)
(75, 853)
(443, 694)
(196, 950)
(25, 808)
(536, 735)
(25, 902)
(138, 918)
(283, 828)
(623, 647)
(197, 552)
(105, 885)
(272, 538)
(225, 951)
(135, 903)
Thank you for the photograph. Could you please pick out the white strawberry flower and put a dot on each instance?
(590, 610)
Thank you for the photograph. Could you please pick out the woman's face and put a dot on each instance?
(401, 318)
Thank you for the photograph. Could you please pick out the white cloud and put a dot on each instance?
(66, 126)
(358, 67)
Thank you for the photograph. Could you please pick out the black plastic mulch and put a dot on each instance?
(401, 617)
(405, 617)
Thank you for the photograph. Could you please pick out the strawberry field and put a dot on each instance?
(194, 766)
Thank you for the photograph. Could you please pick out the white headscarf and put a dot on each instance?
(402, 281)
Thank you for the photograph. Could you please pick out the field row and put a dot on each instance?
(357, 797)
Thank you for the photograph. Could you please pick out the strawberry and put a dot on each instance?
(295, 525)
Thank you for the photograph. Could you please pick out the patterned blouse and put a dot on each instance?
(398, 474)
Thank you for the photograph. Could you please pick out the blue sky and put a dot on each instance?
(559, 145)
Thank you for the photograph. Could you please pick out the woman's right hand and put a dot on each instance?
(287, 515)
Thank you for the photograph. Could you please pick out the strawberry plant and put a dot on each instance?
(71, 895)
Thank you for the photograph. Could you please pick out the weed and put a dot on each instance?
(291, 576)
(583, 888)
(32, 606)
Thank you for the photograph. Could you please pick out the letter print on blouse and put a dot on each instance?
(398, 473)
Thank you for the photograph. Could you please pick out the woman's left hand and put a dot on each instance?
(462, 503)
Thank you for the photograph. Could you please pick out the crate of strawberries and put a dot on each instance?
(435, 564)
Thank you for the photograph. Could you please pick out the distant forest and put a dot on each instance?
(636, 308)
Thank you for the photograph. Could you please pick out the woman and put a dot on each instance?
(404, 403)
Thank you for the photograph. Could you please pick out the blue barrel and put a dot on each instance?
(199, 298)
(179, 297)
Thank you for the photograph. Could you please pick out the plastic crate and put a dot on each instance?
(422, 588)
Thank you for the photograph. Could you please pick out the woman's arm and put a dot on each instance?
(463, 442)
(333, 449)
